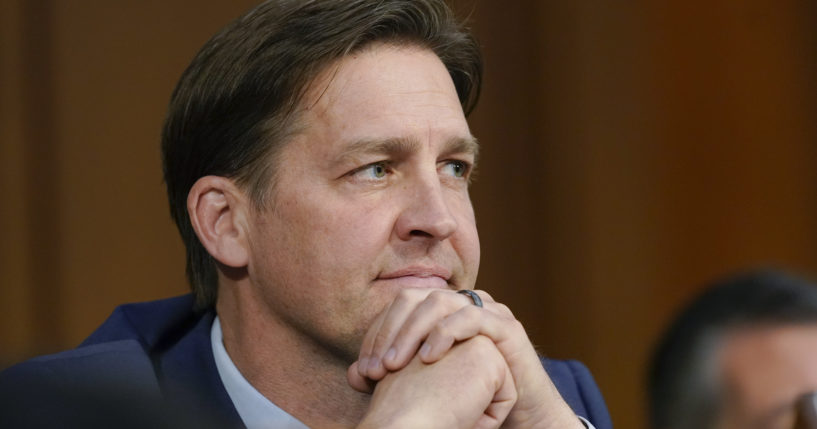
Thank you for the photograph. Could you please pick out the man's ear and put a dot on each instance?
(218, 213)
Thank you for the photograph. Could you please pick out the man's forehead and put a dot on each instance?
(385, 100)
(339, 81)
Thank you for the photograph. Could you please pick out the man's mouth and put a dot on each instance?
(418, 277)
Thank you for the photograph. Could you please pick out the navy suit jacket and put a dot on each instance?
(151, 364)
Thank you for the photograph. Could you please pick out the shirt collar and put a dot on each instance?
(255, 410)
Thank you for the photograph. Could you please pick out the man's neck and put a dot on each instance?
(299, 377)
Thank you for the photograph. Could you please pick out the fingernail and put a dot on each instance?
(363, 365)
(424, 350)
(390, 355)
(374, 365)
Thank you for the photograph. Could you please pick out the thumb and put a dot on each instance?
(357, 381)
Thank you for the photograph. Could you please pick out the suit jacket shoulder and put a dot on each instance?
(144, 364)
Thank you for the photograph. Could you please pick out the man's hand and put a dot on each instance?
(469, 387)
(427, 323)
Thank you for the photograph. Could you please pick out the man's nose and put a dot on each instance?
(427, 212)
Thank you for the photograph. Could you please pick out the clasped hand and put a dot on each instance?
(433, 359)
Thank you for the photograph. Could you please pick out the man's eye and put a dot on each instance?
(377, 170)
(456, 168)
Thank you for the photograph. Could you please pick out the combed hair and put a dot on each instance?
(683, 386)
(235, 104)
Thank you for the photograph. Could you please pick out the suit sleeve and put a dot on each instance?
(590, 394)
(579, 390)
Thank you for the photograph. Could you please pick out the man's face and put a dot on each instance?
(765, 371)
(371, 197)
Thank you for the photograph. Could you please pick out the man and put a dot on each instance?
(742, 355)
(317, 162)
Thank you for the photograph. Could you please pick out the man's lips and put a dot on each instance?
(418, 276)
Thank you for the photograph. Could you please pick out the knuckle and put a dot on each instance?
(517, 330)
(480, 352)
(472, 313)
(484, 295)
(437, 298)
(441, 330)
(480, 344)
(517, 325)
(503, 309)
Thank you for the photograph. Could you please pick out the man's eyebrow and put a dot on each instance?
(391, 146)
(468, 145)
(400, 147)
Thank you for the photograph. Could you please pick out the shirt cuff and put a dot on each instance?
(586, 423)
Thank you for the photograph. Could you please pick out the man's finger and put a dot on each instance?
(427, 317)
(474, 372)
(414, 329)
(362, 363)
(464, 324)
(380, 336)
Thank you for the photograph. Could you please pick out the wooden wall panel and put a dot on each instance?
(584, 252)
(119, 62)
(16, 331)
(85, 224)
